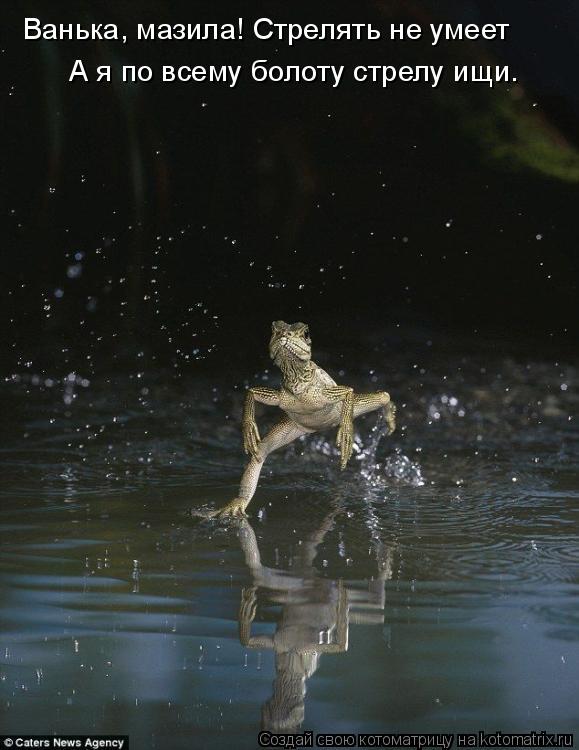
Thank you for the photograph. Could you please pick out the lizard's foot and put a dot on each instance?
(390, 414)
(234, 509)
(345, 442)
(248, 604)
(251, 439)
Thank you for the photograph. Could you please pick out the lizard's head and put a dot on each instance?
(290, 341)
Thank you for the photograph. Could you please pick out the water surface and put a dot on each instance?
(432, 586)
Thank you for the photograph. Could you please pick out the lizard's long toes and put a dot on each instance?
(199, 513)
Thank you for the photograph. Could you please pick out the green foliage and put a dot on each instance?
(510, 131)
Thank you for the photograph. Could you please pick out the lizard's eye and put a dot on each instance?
(306, 332)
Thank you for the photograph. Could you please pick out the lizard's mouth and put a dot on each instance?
(288, 347)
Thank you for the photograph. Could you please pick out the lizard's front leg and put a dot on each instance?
(246, 615)
(247, 611)
(249, 428)
(345, 437)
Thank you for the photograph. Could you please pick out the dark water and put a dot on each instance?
(431, 587)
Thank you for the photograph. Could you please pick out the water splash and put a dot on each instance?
(365, 451)
(403, 468)
(395, 466)
(367, 456)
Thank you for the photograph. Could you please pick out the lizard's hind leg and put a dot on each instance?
(367, 402)
(283, 433)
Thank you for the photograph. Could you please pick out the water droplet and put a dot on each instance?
(74, 271)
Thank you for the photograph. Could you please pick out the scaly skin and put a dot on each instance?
(310, 400)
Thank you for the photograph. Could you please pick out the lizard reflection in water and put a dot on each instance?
(314, 620)
(311, 401)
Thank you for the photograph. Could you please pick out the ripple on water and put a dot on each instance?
(482, 539)
(561, 617)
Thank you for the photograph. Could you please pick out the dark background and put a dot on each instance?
(201, 213)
